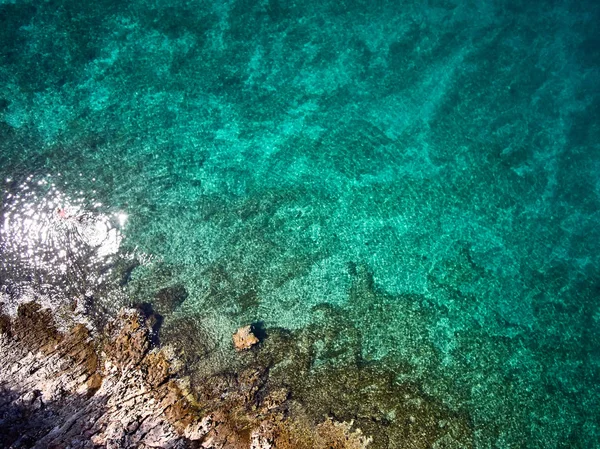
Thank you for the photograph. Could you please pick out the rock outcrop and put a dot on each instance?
(114, 390)
(70, 390)
(244, 338)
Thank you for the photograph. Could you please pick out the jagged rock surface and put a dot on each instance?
(67, 390)
(244, 338)
(114, 391)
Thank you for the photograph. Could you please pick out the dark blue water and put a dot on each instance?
(423, 177)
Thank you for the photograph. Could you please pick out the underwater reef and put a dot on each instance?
(114, 388)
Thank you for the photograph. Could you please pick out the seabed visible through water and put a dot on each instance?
(404, 196)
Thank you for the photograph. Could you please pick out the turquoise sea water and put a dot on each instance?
(422, 177)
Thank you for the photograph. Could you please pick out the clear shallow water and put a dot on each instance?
(430, 172)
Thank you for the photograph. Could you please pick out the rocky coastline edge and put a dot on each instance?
(112, 388)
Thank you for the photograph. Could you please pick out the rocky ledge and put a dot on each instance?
(114, 390)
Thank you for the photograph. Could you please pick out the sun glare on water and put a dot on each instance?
(51, 239)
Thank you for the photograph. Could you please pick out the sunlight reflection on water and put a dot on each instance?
(54, 241)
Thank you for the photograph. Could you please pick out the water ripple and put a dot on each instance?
(55, 243)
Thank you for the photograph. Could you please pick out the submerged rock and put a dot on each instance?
(244, 338)
(168, 299)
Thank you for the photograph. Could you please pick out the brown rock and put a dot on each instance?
(74, 389)
(35, 328)
(56, 392)
(4, 321)
(244, 338)
(94, 383)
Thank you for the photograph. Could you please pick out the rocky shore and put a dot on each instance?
(115, 390)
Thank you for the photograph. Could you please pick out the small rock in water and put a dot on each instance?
(244, 338)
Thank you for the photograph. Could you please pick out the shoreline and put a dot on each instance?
(116, 391)
(112, 388)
